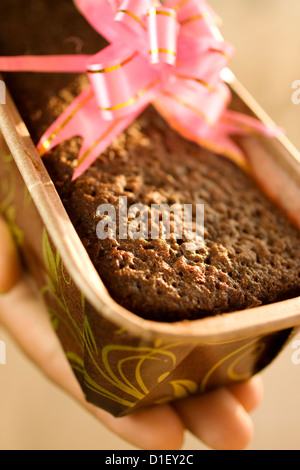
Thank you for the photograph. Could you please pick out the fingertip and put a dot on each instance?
(165, 430)
(250, 394)
(10, 266)
(155, 428)
(218, 420)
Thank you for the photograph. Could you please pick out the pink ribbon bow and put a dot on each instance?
(170, 55)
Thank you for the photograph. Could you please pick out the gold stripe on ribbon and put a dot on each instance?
(204, 83)
(222, 53)
(202, 16)
(103, 136)
(189, 106)
(115, 67)
(133, 16)
(195, 18)
(164, 51)
(134, 99)
(47, 143)
(198, 80)
(154, 12)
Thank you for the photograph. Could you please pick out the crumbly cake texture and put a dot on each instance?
(252, 252)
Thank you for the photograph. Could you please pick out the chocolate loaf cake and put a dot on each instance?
(251, 254)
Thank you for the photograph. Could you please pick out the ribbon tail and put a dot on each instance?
(232, 124)
(100, 14)
(213, 132)
(104, 133)
(215, 139)
(73, 121)
(47, 64)
(82, 118)
(240, 124)
(221, 143)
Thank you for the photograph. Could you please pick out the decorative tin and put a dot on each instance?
(123, 362)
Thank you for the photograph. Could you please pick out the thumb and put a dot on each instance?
(10, 265)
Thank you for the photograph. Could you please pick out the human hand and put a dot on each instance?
(220, 418)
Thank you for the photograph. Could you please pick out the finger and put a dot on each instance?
(218, 419)
(10, 266)
(157, 428)
(250, 393)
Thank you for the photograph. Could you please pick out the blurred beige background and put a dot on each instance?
(34, 414)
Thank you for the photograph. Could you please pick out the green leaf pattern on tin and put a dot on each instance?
(55, 288)
(113, 361)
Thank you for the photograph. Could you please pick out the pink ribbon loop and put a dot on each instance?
(132, 15)
(163, 35)
(170, 55)
(119, 89)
